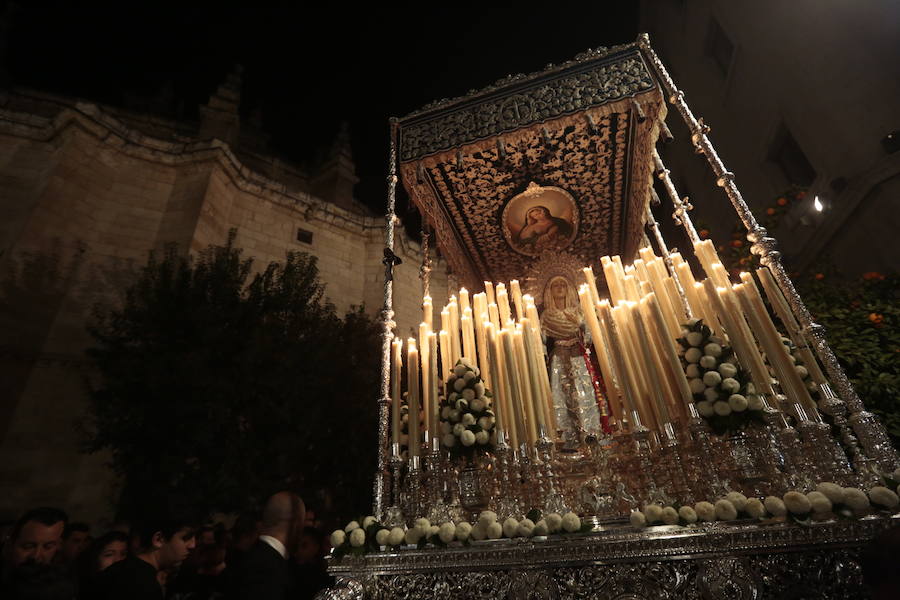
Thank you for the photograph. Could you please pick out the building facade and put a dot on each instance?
(85, 192)
(796, 93)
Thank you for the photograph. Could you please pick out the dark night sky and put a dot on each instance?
(308, 66)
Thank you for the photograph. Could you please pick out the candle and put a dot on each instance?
(526, 398)
(479, 318)
(396, 374)
(592, 284)
(537, 390)
(468, 336)
(427, 311)
(778, 302)
(778, 354)
(456, 350)
(412, 378)
(675, 301)
(632, 293)
(613, 282)
(445, 357)
(512, 383)
(653, 365)
(634, 364)
(517, 298)
(540, 351)
(618, 355)
(667, 344)
(493, 370)
(503, 303)
(433, 409)
(504, 401)
(647, 254)
(425, 359)
(489, 290)
(494, 315)
(463, 300)
(600, 348)
(710, 311)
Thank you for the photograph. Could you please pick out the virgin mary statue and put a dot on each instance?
(575, 387)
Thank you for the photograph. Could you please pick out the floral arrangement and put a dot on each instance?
(368, 535)
(722, 394)
(828, 499)
(466, 418)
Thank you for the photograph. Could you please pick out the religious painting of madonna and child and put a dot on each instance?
(540, 219)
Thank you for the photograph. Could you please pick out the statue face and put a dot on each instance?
(558, 288)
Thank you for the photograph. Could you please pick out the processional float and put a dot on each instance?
(594, 413)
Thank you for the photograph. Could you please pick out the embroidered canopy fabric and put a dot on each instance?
(553, 162)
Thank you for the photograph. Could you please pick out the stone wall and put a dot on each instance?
(83, 198)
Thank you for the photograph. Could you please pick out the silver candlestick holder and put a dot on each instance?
(553, 502)
(507, 467)
(436, 509)
(671, 452)
(393, 516)
(413, 507)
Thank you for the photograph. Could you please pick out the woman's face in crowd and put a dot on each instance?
(111, 554)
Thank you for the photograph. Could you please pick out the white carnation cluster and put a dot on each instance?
(721, 391)
(467, 417)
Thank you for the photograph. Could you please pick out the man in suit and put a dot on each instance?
(264, 570)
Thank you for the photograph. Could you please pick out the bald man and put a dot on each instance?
(264, 572)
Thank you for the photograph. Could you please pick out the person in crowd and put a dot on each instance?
(244, 535)
(105, 551)
(164, 543)
(309, 569)
(206, 581)
(76, 539)
(40, 581)
(36, 537)
(206, 536)
(264, 571)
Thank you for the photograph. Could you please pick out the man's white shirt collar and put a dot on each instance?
(275, 543)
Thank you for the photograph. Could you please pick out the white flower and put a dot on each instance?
(554, 522)
(462, 405)
(687, 514)
(460, 369)
(368, 521)
(692, 371)
(447, 532)
(713, 349)
(653, 512)
(477, 405)
(692, 355)
(706, 511)
(445, 428)
(510, 527)
(697, 386)
(466, 361)
(669, 516)
(856, 499)
(449, 440)
(727, 370)
(711, 394)
(357, 538)
(423, 525)
(738, 499)
(526, 528)
(479, 532)
(705, 408)
(445, 413)
(712, 378)
(755, 508)
(467, 438)
(479, 389)
(458, 429)
(571, 522)
(730, 385)
(749, 389)
(454, 416)
(482, 437)
(801, 371)
(797, 503)
(754, 402)
(469, 376)
(637, 519)
(708, 362)
(468, 419)
(351, 526)
(721, 408)
(541, 528)
(463, 531)
(775, 506)
(468, 394)
(486, 423)
(396, 536)
(832, 491)
(694, 338)
(737, 403)
(413, 536)
(381, 537)
(459, 385)
(495, 531)
(725, 510)
(882, 496)
(487, 517)
(338, 537)
(819, 502)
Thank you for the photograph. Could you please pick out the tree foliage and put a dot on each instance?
(219, 386)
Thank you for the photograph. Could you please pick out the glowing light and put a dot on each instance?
(817, 204)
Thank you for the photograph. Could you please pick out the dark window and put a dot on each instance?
(304, 236)
(787, 154)
(719, 47)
